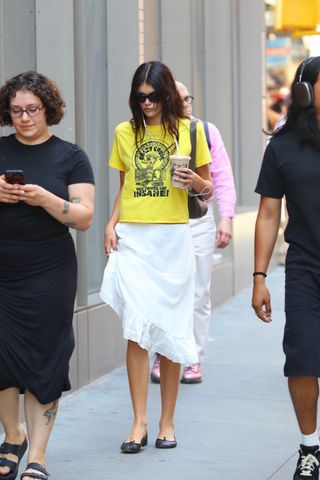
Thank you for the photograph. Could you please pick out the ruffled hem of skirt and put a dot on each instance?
(151, 337)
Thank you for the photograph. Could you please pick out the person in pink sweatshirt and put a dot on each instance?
(206, 236)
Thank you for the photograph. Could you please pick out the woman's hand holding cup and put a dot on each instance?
(184, 176)
(180, 173)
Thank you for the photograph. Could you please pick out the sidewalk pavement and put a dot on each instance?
(237, 424)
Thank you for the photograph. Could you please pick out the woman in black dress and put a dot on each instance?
(37, 265)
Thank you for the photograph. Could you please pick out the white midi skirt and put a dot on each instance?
(149, 283)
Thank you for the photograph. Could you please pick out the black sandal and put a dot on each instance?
(13, 449)
(43, 475)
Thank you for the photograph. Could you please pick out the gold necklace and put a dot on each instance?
(148, 133)
(155, 139)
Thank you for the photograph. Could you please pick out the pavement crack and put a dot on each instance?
(281, 466)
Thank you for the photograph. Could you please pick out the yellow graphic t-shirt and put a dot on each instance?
(147, 193)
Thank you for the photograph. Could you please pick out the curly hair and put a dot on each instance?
(42, 87)
(159, 76)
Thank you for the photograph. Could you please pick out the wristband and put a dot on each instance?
(260, 273)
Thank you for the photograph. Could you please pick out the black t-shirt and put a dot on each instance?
(54, 165)
(292, 169)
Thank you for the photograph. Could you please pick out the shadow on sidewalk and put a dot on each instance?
(238, 423)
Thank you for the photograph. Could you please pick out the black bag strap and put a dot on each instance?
(193, 140)
(206, 131)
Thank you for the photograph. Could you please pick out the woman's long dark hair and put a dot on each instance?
(159, 76)
(304, 120)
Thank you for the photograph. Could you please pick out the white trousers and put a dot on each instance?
(203, 233)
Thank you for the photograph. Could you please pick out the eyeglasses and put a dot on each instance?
(188, 99)
(153, 97)
(31, 111)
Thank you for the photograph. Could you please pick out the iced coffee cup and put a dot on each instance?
(178, 161)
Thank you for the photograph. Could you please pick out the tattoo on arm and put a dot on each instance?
(51, 413)
(66, 207)
(75, 200)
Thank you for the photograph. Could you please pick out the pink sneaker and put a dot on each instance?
(155, 371)
(192, 374)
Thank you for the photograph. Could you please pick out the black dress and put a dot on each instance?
(38, 271)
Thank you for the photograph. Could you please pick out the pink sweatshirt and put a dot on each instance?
(221, 174)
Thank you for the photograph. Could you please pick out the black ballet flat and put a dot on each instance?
(134, 447)
(164, 443)
(19, 451)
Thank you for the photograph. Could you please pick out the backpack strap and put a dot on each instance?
(193, 140)
(206, 131)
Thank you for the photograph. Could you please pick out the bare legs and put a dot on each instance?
(39, 418)
(304, 393)
(9, 417)
(138, 375)
(169, 385)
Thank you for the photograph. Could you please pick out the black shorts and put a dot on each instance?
(301, 342)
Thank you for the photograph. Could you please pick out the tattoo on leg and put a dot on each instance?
(51, 413)
(66, 207)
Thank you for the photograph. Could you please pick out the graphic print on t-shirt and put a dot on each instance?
(151, 163)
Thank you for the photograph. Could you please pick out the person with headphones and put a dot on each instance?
(291, 168)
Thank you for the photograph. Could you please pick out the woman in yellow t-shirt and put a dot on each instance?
(149, 279)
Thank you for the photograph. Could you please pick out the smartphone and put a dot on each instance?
(14, 177)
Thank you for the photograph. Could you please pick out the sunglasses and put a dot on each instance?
(153, 97)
